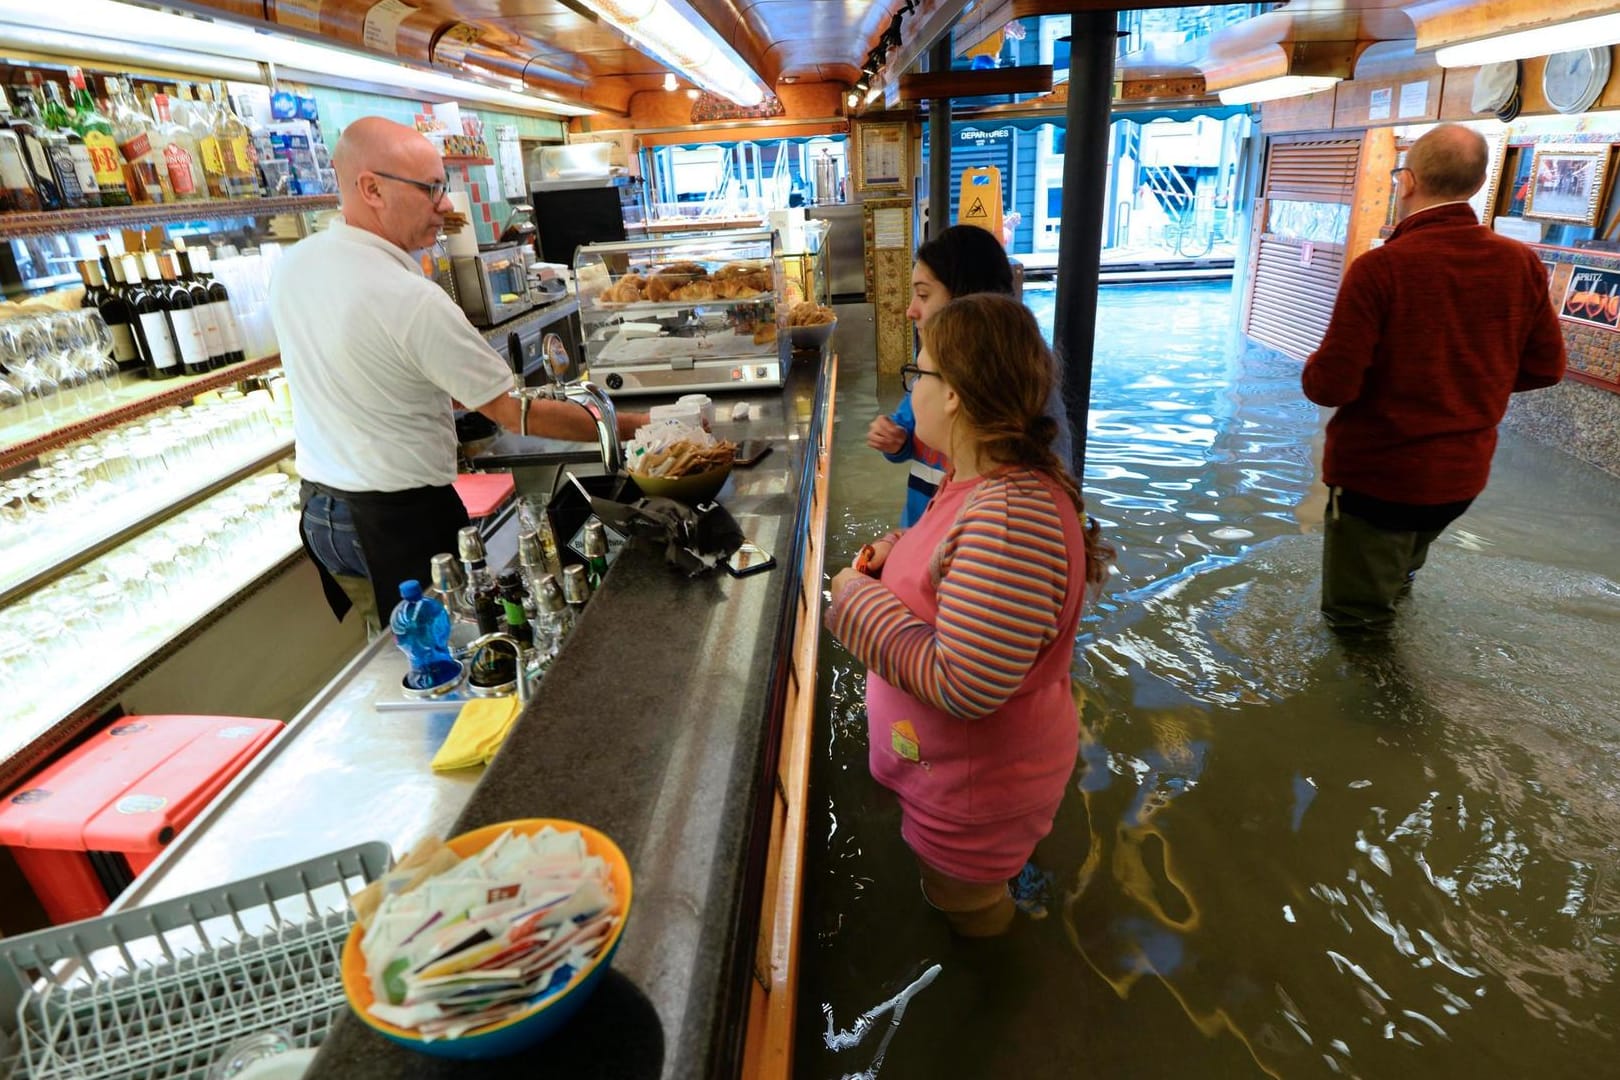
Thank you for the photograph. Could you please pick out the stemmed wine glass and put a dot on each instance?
(62, 359)
(96, 356)
(23, 349)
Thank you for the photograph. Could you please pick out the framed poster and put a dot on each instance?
(880, 157)
(1593, 297)
(1484, 200)
(1568, 183)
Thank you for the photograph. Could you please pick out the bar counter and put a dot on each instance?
(657, 724)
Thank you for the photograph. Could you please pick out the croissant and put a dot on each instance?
(736, 269)
(702, 289)
(734, 288)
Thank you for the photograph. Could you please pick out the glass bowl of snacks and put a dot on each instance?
(517, 929)
(810, 325)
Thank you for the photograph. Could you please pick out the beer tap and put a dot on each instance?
(585, 394)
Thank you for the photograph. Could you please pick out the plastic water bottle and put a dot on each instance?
(422, 630)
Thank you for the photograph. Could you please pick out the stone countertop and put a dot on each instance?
(656, 725)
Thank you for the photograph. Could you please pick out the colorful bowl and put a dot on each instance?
(697, 488)
(517, 1032)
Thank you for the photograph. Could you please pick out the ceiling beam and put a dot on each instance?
(928, 86)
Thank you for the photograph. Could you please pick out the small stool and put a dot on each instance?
(83, 827)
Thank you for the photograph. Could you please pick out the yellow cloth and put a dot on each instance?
(480, 728)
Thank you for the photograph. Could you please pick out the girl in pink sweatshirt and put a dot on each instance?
(968, 633)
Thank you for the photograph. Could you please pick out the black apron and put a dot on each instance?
(399, 533)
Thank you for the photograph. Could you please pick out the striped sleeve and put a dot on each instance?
(1003, 582)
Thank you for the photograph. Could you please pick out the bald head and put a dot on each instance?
(1449, 162)
(387, 174)
(371, 144)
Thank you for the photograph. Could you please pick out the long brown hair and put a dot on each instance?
(990, 351)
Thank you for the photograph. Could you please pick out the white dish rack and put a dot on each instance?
(161, 991)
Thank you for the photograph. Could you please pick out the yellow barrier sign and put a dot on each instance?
(979, 201)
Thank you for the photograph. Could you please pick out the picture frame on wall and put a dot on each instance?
(1514, 192)
(1484, 200)
(880, 157)
(1569, 183)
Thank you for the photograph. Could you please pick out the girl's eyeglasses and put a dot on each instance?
(910, 373)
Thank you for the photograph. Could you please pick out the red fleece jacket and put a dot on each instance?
(1430, 335)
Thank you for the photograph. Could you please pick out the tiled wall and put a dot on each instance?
(339, 108)
(342, 107)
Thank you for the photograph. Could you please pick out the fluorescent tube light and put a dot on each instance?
(1600, 30)
(681, 39)
(106, 30)
(1283, 86)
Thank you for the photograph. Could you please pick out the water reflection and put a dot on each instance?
(1280, 857)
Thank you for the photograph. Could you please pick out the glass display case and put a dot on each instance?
(705, 311)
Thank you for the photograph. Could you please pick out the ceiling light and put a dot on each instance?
(853, 99)
(1283, 86)
(693, 92)
(670, 31)
(131, 27)
(669, 81)
(1268, 72)
(1598, 31)
(872, 94)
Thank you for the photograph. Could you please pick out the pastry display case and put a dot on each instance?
(703, 311)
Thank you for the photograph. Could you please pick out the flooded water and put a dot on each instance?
(1276, 858)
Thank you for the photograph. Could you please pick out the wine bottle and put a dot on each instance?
(97, 132)
(202, 306)
(151, 324)
(230, 331)
(188, 335)
(115, 312)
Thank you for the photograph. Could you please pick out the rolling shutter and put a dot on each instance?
(1294, 282)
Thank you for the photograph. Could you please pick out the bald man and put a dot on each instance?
(374, 354)
(1430, 335)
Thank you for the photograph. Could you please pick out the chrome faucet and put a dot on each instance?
(520, 658)
(591, 398)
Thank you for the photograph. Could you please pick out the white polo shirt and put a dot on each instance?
(374, 352)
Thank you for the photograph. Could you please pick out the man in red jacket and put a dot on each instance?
(1430, 335)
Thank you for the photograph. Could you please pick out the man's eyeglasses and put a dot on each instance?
(910, 373)
(435, 190)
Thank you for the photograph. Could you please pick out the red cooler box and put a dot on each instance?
(82, 828)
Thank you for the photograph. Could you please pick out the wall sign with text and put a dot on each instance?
(1593, 296)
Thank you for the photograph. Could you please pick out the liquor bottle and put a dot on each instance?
(576, 589)
(151, 323)
(200, 118)
(510, 584)
(235, 147)
(554, 621)
(188, 332)
(483, 596)
(595, 553)
(143, 174)
(203, 310)
(97, 132)
(230, 332)
(115, 312)
(33, 147)
(178, 148)
(17, 190)
(61, 133)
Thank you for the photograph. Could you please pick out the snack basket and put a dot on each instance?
(161, 991)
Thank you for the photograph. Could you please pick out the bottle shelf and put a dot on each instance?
(138, 396)
(55, 222)
(97, 529)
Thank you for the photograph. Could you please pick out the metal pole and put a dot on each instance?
(1092, 42)
(939, 145)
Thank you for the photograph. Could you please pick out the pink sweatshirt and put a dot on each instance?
(968, 639)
